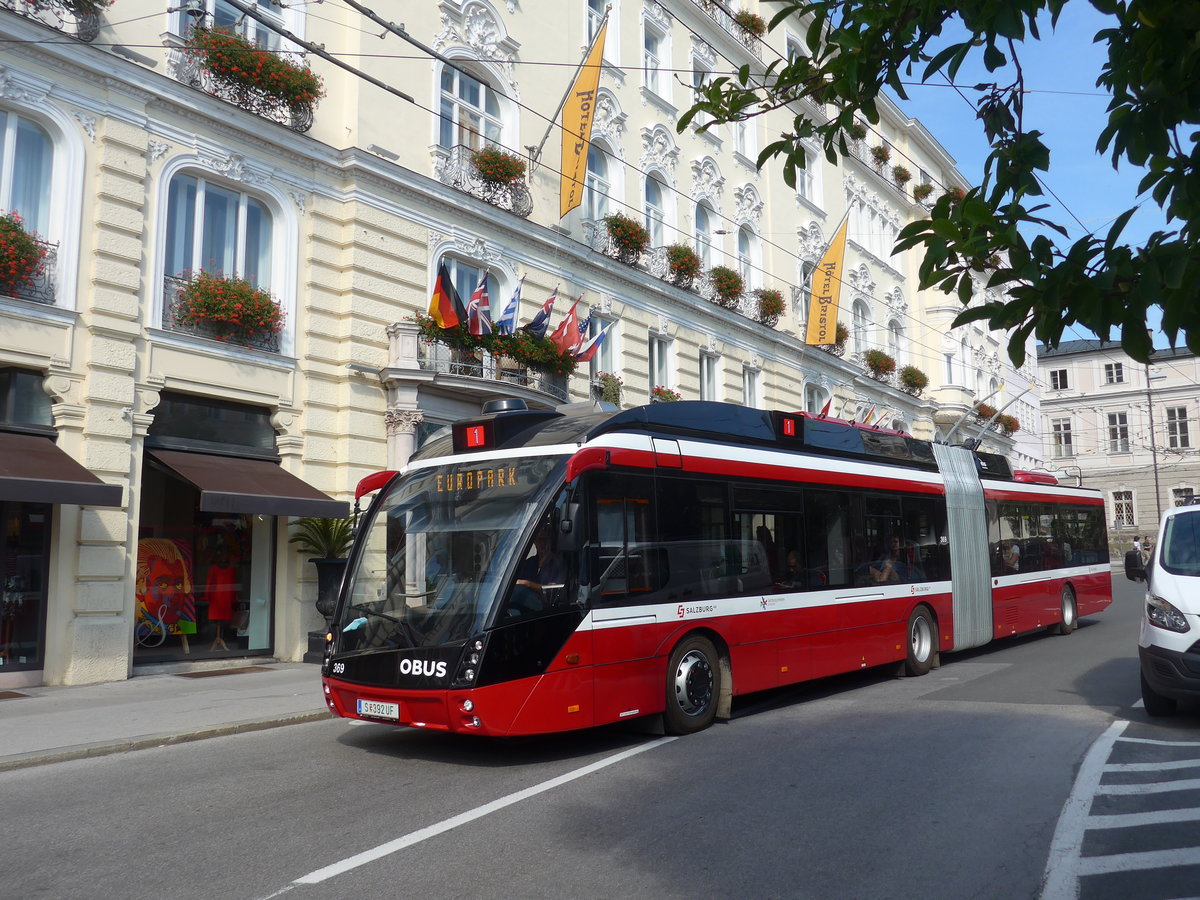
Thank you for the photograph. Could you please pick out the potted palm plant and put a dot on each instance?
(327, 541)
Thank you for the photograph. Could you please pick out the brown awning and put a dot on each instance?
(34, 470)
(232, 485)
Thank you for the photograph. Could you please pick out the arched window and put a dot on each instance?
(748, 256)
(895, 340)
(223, 15)
(26, 171)
(596, 187)
(656, 213)
(704, 234)
(470, 111)
(859, 323)
(814, 398)
(466, 275)
(215, 229)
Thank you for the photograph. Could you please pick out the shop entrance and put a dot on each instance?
(24, 565)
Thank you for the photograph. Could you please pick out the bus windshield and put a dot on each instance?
(431, 562)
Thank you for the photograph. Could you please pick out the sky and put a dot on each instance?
(1065, 104)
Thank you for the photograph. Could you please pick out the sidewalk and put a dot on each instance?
(40, 725)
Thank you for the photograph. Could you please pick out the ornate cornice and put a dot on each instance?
(473, 247)
(608, 122)
(748, 206)
(659, 151)
(707, 182)
(476, 26)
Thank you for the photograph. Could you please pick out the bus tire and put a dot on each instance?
(921, 642)
(693, 686)
(1156, 704)
(1069, 620)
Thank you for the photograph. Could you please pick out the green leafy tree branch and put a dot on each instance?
(1000, 234)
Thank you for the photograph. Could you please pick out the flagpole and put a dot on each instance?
(535, 153)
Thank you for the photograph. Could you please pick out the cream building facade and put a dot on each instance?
(136, 168)
(1127, 429)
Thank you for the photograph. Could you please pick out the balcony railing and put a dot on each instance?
(455, 167)
(72, 19)
(171, 312)
(187, 66)
(725, 20)
(41, 287)
(436, 357)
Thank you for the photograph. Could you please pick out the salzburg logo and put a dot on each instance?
(681, 610)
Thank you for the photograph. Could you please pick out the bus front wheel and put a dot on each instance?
(921, 643)
(693, 686)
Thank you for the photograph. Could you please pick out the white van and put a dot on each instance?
(1169, 643)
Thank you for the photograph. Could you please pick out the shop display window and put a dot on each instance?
(203, 581)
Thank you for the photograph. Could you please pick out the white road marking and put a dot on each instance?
(423, 834)
(1060, 881)
(1153, 767)
(1066, 864)
(1131, 820)
(1157, 787)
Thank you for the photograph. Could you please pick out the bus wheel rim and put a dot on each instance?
(693, 683)
(921, 638)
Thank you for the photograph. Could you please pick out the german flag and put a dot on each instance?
(445, 307)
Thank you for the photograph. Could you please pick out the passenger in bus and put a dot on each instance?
(792, 576)
(886, 569)
(1012, 558)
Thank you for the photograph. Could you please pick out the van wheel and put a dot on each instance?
(920, 642)
(693, 686)
(1156, 704)
(1069, 621)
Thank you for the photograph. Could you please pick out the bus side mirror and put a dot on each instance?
(568, 536)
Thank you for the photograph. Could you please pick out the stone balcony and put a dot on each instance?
(454, 166)
(61, 15)
(483, 372)
(186, 66)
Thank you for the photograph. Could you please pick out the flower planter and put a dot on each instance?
(495, 167)
(727, 286)
(259, 80)
(770, 306)
(880, 365)
(913, 381)
(226, 309)
(21, 255)
(628, 239)
(683, 265)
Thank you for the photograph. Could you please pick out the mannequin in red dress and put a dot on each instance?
(221, 590)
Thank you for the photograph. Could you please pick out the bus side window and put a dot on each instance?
(622, 562)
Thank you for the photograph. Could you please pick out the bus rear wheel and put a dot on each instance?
(921, 642)
(693, 686)
(1069, 621)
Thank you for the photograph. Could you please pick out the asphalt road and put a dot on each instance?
(952, 785)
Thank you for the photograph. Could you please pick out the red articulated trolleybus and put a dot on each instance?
(535, 571)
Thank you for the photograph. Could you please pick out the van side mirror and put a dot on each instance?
(1134, 570)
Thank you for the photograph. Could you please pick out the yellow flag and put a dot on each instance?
(826, 290)
(577, 127)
